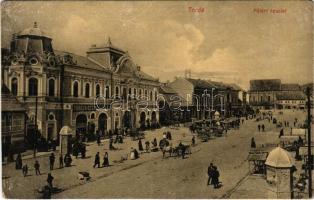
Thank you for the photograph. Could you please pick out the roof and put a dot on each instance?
(199, 83)
(10, 101)
(34, 31)
(279, 158)
(297, 95)
(234, 86)
(218, 85)
(146, 76)
(165, 89)
(82, 61)
(265, 85)
(291, 87)
(66, 130)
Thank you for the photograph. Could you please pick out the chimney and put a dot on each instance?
(138, 68)
(93, 45)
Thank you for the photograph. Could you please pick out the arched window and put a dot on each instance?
(75, 89)
(87, 90)
(134, 91)
(97, 90)
(151, 96)
(146, 95)
(107, 91)
(156, 95)
(130, 93)
(117, 91)
(51, 85)
(14, 86)
(32, 87)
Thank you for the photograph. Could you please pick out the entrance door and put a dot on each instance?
(50, 132)
(142, 120)
(81, 124)
(102, 123)
(127, 119)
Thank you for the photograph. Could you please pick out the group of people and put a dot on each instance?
(259, 127)
(97, 160)
(213, 176)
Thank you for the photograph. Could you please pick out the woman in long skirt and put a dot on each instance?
(106, 160)
(140, 145)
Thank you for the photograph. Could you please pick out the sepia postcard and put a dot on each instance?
(157, 99)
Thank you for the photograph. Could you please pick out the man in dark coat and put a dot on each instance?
(97, 160)
(25, 170)
(18, 162)
(259, 128)
(37, 167)
(52, 160)
(215, 177)
(210, 174)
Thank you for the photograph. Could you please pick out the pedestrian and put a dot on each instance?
(210, 174)
(18, 162)
(182, 147)
(49, 180)
(263, 127)
(253, 144)
(294, 123)
(259, 128)
(98, 139)
(155, 142)
(83, 150)
(288, 124)
(97, 160)
(285, 124)
(37, 167)
(61, 161)
(147, 148)
(193, 140)
(25, 170)
(140, 145)
(281, 132)
(242, 121)
(106, 160)
(216, 177)
(111, 147)
(51, 160)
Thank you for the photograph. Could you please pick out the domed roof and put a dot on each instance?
(34, 31)
(66, 130)
(279, 157)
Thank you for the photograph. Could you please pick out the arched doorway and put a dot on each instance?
(127, 119)
(102, 123)
(154, 119)
(81, 124)
(142, 120)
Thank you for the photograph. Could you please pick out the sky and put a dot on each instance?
(229, 41)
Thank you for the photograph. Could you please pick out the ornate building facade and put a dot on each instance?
(99, 91)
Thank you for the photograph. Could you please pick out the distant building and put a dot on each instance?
(271, 93)
(289, 100)
(220, 97)
(12, 123)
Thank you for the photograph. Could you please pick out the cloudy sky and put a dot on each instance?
(227, 42)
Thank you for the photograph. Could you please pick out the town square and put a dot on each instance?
(156, 100)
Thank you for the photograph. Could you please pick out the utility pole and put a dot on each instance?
(309, 121)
